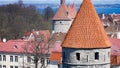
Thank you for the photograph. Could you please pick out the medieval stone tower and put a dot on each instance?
(63, 18)
(86, 44)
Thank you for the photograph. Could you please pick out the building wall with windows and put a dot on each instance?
(86, 58)
(15, 61)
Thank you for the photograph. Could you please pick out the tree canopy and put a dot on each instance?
(15, 19)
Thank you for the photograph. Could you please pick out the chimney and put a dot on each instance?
(62, 1)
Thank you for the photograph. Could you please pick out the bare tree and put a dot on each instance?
(39, 49)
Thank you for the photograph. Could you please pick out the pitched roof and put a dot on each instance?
(45, 33)
(73, 10)
(56, 56)
(12, 46)
(62, 13)
(115, 48)
(86, 30)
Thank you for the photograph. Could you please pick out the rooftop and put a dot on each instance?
(86, 30)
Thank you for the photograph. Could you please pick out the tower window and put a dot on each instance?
(78, 56)
(87, 58)
(108, 54)
(96, 55)
(60, 22)
(67, 13)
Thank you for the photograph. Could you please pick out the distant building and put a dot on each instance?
(63, 18)
(86, 44)
(19, 53)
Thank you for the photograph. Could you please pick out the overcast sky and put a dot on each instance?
(58, 1)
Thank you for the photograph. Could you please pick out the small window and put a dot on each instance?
(87, 58)
(0, 58)
(16, 66)
(97, 56)
(67, 13)
(108, 54)
(11, 66)
(60, 22)
(11, 58)
(4, 66)
(4, 58)
(16, 58)
(78, 56)
(0, 66)
(28, 59)
(104, 57)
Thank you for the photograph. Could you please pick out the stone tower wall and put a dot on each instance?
(87, 58)
(62, 26)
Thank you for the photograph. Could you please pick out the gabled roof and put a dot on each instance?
(86, 30)
(62, 13)
(44, 33)
(74, 12)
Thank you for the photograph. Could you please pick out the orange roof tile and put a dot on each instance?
(74, 12)
(56, 56)
(86, 30)
(62, 13)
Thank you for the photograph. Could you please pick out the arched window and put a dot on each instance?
(96, 55)
(78, 56)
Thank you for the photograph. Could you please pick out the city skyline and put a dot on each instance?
(58, 1)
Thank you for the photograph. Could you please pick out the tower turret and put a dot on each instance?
(86, 44)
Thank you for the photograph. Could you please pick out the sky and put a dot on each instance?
(58, 1)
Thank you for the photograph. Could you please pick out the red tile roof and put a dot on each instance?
(56, 47)
(45, 33)
(74, 12)
(62, 13)
(86, 30)
(12, 46)
(21, 46)
(115, 48)
(115, 51)
(56, 56)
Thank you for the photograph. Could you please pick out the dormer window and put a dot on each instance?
(96, 55)
(15, 46)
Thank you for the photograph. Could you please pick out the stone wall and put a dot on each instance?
(62, 26)
(87, 58)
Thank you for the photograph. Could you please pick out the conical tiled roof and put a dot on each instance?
(62, 13)
(74, 12)
(87, 30)
(69, 10)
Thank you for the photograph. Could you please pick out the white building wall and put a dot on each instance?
(62, 26)
(22, 61)
(53, 64)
